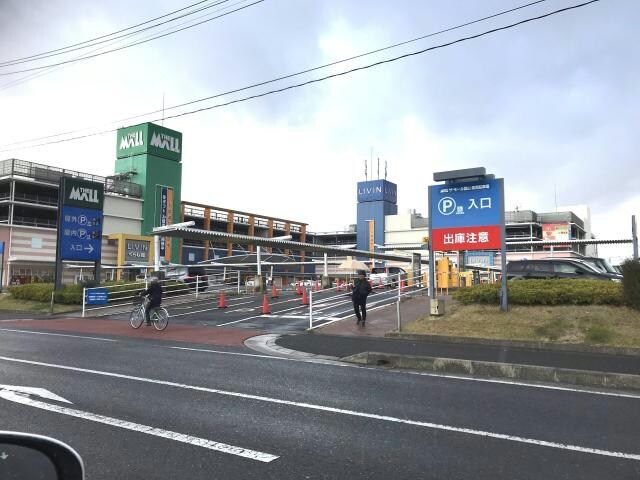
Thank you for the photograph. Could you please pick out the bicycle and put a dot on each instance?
(159, 316)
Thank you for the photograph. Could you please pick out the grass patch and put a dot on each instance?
(590, 324)
(9, 303)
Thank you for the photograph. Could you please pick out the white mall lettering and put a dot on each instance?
(133, 139)
(167, 142)
(84, 194)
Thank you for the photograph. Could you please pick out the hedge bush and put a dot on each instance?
(41, 292)
(546, 292)
(631, 283)
(72, 294)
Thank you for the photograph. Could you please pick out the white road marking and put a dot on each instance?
(136, 427)
(58, 335)
(238, 321)
(39, 392)
(209, 310)
(342, 411)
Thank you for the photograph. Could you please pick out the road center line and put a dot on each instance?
(342, 411)
(58, 335)
(136, 427)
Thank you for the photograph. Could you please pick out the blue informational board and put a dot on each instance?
(466, 204)
(2, 247)
(97, 296)
(164, 202)
(80, 234)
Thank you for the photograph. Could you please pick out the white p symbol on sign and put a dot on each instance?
(447, 206)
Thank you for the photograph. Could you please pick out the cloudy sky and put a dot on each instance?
(551, 106)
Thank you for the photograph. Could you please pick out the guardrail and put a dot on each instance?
(112, 299)
(399, 282)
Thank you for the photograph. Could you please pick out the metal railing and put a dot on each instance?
(121, 296)
(34, 222)
(405, 284)
(21, 168)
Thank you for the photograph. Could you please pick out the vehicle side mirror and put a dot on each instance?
(579, 272)
(25, 456)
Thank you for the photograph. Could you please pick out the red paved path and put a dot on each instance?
(177, 333)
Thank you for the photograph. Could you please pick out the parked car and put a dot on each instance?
(555, 268)
(387, 277)
(190, 276)
(599, 264)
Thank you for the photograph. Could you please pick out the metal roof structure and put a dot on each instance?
(592, 241)
(199, 234)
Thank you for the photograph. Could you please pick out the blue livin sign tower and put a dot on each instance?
(376, 198)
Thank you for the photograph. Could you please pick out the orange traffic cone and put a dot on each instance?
(274, 291)
(222, 303)
(401, 286)
(338, 285)
(265, 306)
(371, 283)
(298, 289)
(317, 285)
(305, 300)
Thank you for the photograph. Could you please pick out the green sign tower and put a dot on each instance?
(151, 155)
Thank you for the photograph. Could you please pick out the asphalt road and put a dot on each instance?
(226, 413)
(245, 311)
(337, 346)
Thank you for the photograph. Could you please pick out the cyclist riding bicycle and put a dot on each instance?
(154, 298)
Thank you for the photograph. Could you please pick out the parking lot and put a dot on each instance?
(245, 310)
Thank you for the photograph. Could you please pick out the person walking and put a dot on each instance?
(361, 290)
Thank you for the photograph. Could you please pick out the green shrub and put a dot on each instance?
(72, 294)
(39, 292)
(631, 283)
(546, 292)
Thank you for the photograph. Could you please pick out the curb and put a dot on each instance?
(267, 344)
(561, 347)
(512, 371)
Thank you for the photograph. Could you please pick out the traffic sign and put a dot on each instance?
(467, 215)
(80, 234)
(97, 296)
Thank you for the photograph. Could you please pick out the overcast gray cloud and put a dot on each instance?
(548, 105)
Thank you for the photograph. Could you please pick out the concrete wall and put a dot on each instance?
(405, 228)
(122, 215)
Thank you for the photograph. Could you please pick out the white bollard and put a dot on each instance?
(310, 308)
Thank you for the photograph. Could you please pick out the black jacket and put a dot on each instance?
(155, 293)
(361, 289)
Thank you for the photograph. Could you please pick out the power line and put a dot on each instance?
(339, 74)
(26, 78)
(42, 54)
(381, 62)
(86, 57)
(284, 77)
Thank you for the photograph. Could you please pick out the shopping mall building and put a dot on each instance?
(145, 191)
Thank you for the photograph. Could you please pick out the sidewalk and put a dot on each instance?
(345, 338)
(228, 337)
(380, 321)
